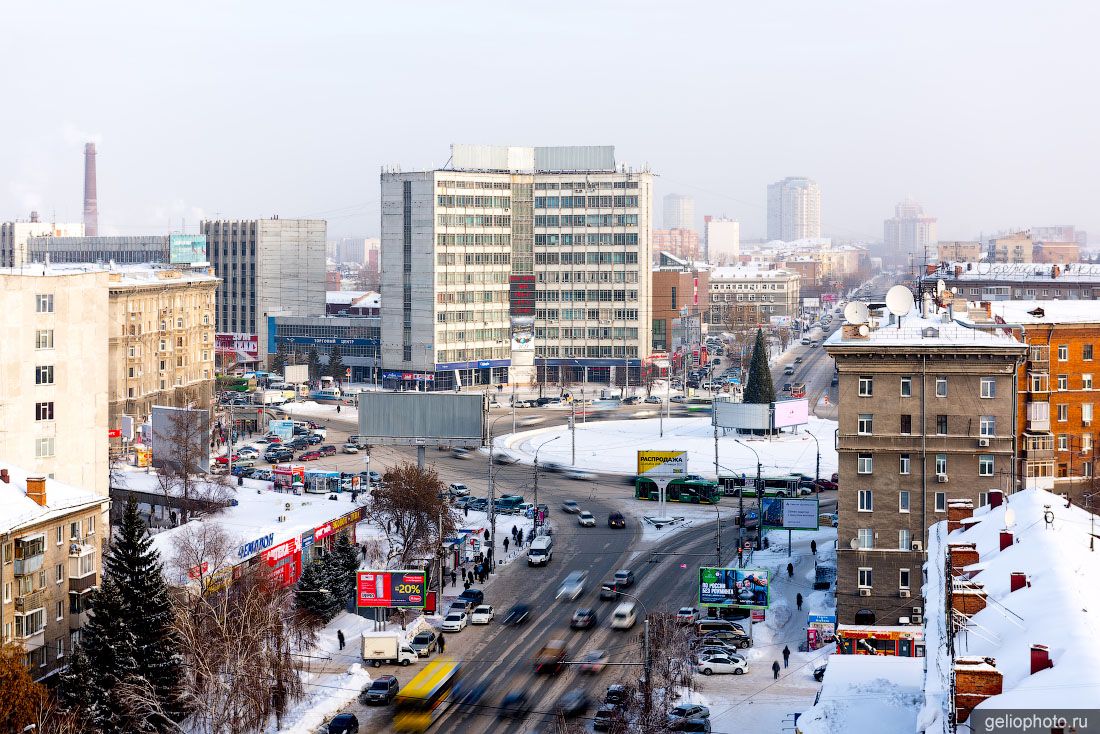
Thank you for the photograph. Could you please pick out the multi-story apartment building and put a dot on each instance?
(1017, 247)
(680, 290)
(909, 231)
(52, 537)
(927, 415)
(268, 267)
(979, 281)
(722, 243)
(14, 236)
(162, 347)
(959, 251)
(516, 264)
(1056, 252)
(53, 373)
(679, 212)
(768, 291)
(1058, 389)
(794, 209)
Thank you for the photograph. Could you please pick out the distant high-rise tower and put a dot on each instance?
(91, 209)
(679, 212)
(794, 209)
(910, 232)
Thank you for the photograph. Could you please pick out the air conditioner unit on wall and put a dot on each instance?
(865, 591)
(983, 442)
(917, 545)
(916, 611)
(916, 619)
(903, 593)
(941, 478)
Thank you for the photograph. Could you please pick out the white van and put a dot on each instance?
(625, 616)
(540, 551)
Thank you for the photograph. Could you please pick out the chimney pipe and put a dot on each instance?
(1040, 658)
(91, 205)
(1017, 580)
(1006, 539)
(36, 490)
(4, 476)
(996, 498)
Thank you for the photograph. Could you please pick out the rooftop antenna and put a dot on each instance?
(899, 301)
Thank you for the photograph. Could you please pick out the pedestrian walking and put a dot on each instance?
(466, 584)
(486, 536)
(786, 656)
(813, 547)
(440, 645)
(363, 550)
(798, 601)
(740, 557)
(340, 638)
(354, 494)
(338, 410)
(466, 511)
(790, 570)
(470, 576)
(454, 582)
(505, 545)
(515, 531)
(775, 670)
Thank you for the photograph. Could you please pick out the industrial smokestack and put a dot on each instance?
(91, 208)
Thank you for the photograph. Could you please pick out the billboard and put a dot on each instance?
(423, 418)
(750, 416)
(744, 588)
(792, 413)
(283, 429)
(180, 435)
(790, 513)
(392, 589)
(187, 249)
(662, 463)
(296, 374)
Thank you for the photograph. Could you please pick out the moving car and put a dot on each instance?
(482, 615)
(632, 400)
(514, 706)
(788, 370)
(607, 590)
(583, 619)
(423, 643)
(572, 586)
(551, 658)
(624, 578)
(653, 400)
(573, 703)
(586, 519)
(571, 507)
(455, 621)
(825, 485)
(594, 661)
(517, 615)
(616, 520)
(381, 691)
(461, 453)
(624, 616)
(580, 475)
(723, 664)
(798, 360)
(343, 724)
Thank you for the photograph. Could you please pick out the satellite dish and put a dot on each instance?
(1010, 517)
(864, 329)
(899, 300)
(856, 313)
(854, 544)
(940, 287)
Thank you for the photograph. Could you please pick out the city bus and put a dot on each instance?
(783, 485)
(798, 390)
(880, 640)
(426, 697)
(679, 490)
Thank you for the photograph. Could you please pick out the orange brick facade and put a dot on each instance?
(674, 290)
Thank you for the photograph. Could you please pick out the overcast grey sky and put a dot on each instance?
(984, 111)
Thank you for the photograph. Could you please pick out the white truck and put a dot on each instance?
(268, 397)
(540, 551)
(387, 647)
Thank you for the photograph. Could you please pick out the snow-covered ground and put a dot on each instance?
(867, 693)
(612, 446)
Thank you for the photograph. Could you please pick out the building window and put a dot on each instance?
(44, 447)
(1063, 442)
(1086, 352)
(91, 524)
(903, 500)
(941, 387)
(866, 501)
(863, 463)
(60, 533)
(863, 577)
(1063, 382)
(1063, 413)
(941, 463)
(43, 339)
(866, 387)
(906, 424)
(59, 610)
(866, 538)
(904, 469)
(1086, 442)
(865, 424)
(987, 425)
(903, 539)
(907, 387)
(1063, 352)
(1086, 381)
(985, 465)
(43, 411)
(989, 387)
(1086, 413)
(941, 502)
(43, 303)
(58, 573)
(903, 578)
(43, 374)
(941, 425)
(60, 644)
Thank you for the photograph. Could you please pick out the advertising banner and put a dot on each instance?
(392, 589)
(792, 413)
(338, 524)
(285, 561)
(662, 463)
(283, 429)
(187, 249)
(790, 513)
(744, 588)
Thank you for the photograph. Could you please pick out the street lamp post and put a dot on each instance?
(555, 438)
(492, 555)
(645, 643)
(759, 490)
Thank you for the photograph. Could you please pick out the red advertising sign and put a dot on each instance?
(285, 561)
(391, 589)
(114, 433)
(338, 524)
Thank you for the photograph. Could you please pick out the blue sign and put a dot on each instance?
(821, 619)
(483, 364)
(253, 547)
(307, 542)
(327, 341)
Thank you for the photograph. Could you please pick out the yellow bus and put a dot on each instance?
(424, 699)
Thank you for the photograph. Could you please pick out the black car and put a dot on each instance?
(472, 597)
(514, 706)
(381, 691)
(517, 614)
(616, 520)
(632, 400)
(278, 454)
(314, 439)
(573, 703)
(616, 694)
(344, 724)
(329, 450)
(607, 715)
(297, 444)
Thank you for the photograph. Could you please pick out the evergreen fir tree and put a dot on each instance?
(336, 364)
(314, 362)
(315, 594)
(759, 389)
(343, 568)
(281, 358)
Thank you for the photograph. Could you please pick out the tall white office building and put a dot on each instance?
(269, 267)
(679, 212)
(909, 231)
(794, 209)
(14, 237)
(723, 241)
(516, 264)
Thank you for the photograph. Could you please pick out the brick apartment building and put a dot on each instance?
(679, 289)
(926, 416)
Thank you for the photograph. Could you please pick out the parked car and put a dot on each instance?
(423, 642)
(586, 519)
(819, 673)
(328, 450)
(687, 615)
(455, 621)
(723, 664)
(571, 507)
(344, 724)
(688, 711)
(350, 448)
(309, 456)
(457, 489)
(472, 598)
(692, 725)
(314, 438)
(381, 691)
(483, 614)
(740, 639)
(583, 619)
(617, 694)
(594, 661)
(616, 520)
(607, 716)
(375, 477)
(653, 400)
(825, 485)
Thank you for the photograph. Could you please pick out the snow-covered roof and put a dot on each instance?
(1053, 312)
(867, 693)
(915, 330)
(749, 272)
(17, 510)
(126, 274)
(1056, 608)
(1024, 272)
(364, 299)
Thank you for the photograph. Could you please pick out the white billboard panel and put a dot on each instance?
(792, 412)
(296, 374)
(749, 416)
(423, 418)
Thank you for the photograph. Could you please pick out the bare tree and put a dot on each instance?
(784, 334)
(181, 454)
(649, 377)
(412, 505)
(201, 553)
(670, 670)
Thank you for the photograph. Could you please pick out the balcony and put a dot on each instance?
(82, 583)
(934, 443)
(31, 601)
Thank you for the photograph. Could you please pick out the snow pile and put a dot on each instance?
(612, 446)
(1051, 546)
(867, 693)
